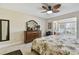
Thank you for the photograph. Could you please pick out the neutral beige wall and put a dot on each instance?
(18, 25)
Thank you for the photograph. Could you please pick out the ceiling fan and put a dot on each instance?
(53, 8)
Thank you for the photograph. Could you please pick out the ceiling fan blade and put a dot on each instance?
(45, 6)
(56, 6)
(55, 10)
(44, 11)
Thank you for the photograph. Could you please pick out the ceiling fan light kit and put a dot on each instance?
(49, 12)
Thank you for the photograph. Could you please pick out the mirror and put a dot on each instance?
(32, 25)
(4, 30)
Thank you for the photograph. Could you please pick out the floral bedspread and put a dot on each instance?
(53, 45)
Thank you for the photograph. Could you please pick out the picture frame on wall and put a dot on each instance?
(49, 25)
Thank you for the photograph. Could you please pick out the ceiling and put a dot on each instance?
(35, 9)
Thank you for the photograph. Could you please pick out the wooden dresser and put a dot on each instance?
(29, 36)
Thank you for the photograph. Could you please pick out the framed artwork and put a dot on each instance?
(49, 25)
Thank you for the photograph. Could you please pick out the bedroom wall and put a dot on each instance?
(17, 25)
(65, 16)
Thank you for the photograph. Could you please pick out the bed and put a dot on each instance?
(56, 45)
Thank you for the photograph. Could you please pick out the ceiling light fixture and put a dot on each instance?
(49, 12)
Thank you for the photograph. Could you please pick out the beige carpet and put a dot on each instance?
(25, 49)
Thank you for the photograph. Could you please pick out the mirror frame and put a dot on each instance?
(28, 22)
(8, 33)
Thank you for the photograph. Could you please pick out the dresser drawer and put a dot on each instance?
(31, 35)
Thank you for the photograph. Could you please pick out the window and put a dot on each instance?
(65, 27)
